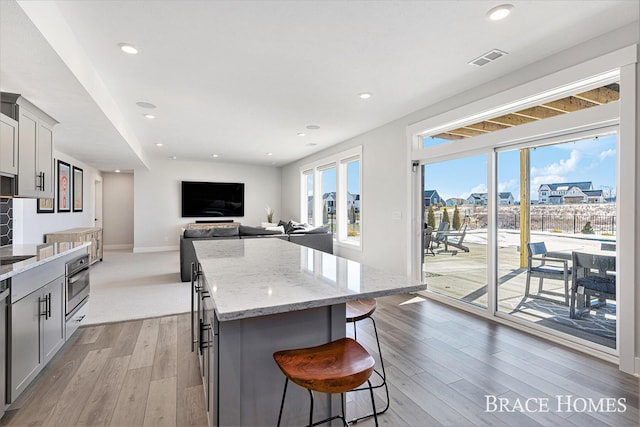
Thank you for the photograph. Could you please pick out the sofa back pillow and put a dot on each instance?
(246, 230)
(212, 232)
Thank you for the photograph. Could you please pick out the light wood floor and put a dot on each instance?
(440, 363)
(137, 373)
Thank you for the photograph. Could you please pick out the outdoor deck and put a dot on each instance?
(463, 275)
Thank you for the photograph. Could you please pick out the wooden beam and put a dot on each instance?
(601, 95)
(511, 120)
(569, 104)
(486, 126)
(538, 113)
(465, 132)
(525, 205)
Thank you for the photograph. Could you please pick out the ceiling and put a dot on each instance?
(242, 79)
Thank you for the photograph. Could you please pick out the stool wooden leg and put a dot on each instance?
(284, 393)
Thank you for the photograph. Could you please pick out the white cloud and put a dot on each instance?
(609, 153)
(512, 184)
(558, 169)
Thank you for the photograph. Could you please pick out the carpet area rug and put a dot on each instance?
(127, 286)
(599, 325)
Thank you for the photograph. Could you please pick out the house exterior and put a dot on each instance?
(568, 192)
(477, 199)
(431, 197)
(506, 198)
(455, 201)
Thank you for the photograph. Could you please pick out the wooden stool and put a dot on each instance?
(360, 310)
(335, 367)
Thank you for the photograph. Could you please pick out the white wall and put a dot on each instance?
(385, 164)
(157, 219)
(117, 211)
(30, 227)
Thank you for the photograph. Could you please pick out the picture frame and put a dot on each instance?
(78, 194)
(64, 184)
(46, 205)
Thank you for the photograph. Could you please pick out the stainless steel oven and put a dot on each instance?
(77, 283)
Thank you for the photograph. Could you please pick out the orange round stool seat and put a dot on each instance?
(360, 309)
(336, 367)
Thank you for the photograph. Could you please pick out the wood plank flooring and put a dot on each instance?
(440, 363)
(137, 373)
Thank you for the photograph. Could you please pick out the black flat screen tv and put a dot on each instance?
(212, 199)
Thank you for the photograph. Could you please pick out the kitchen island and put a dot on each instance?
(258, 296)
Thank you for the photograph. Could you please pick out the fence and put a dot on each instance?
(600, 224)
(572, 223)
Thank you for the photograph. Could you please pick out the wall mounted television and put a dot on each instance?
(212, 199)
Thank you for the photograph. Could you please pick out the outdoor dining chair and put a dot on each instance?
(543, 267)
(593, 276)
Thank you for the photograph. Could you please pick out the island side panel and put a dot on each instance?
(250, 384)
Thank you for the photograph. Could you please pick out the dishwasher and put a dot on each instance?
(4, 295)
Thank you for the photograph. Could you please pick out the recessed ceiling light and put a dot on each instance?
(117, 171)
(173, 157)
(150, 116)
(159, 144)
(269, 154)
(144, 104)
(311, 144)
(128, 48)
(313, 127)
(302, 134)
(499, 12)
(214, 155)
(365, 95)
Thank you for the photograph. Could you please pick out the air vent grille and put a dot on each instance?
(490, 56)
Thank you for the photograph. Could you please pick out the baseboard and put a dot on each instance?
(637, 370)
(155, 249)
(117, 247)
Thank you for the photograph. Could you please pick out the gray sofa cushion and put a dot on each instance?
(212, 232)
(246, 230)
(315, 230)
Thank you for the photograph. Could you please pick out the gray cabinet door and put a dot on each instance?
(26, 354)
(44, 160)
(8, 145)
(53, 324)
(27, 146)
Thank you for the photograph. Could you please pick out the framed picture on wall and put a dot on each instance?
(77, 189)
(64, 184)
(45, 205)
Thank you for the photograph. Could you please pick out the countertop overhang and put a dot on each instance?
(40, 254)
(256, 277)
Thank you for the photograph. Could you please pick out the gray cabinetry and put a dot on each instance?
(37, 325)
(8, 145)
(35, 146)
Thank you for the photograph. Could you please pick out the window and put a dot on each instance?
(331, 195)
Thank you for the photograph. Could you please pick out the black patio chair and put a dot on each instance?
(428, 235)
(593, 276)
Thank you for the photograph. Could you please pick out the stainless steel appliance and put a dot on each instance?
(77, 283)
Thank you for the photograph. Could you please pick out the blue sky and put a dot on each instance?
(585, 160)
(353, 179)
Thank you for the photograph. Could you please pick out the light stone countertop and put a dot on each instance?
(40, 254)
(256, 277)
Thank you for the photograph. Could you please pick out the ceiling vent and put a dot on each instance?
(490, 56)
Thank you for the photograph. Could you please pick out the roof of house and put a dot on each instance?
(597, 193)
(586, 185)
(430, 193)
(505, 195)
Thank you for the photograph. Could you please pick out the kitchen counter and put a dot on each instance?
(39, 254)
(257, 277)
(259, 296)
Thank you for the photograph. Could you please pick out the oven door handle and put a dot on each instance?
(74, 277)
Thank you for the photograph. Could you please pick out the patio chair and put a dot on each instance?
(541, 266)
(440, 235)
(593, 276)
(428, 235)
(455, 239)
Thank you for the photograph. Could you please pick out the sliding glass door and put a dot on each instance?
(455, 207)
(564, 201)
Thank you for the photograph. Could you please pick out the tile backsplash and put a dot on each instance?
(6, 221)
